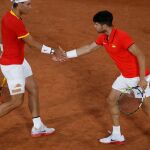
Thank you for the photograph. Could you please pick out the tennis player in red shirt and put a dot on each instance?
(15, 67)
(129, 60)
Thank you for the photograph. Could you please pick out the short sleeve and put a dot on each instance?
(21, 30)
(100, 40)
(127, 41)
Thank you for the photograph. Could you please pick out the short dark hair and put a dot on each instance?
(103, 17)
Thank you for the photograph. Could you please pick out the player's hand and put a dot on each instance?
(142, 83)
(59, 55)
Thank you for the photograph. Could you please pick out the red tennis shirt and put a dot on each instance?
(13, 30)
(117, 47)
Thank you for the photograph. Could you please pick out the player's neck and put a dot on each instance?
(17, 13)
(108, 31)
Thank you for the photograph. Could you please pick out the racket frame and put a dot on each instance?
(141, 101)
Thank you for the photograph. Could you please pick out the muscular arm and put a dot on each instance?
(140, 57)
(82, 50)
(87, 49)
(29, 40)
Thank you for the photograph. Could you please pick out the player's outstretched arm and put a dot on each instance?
(30, 41)
(77, 52)
(82, 50)
(43, 48)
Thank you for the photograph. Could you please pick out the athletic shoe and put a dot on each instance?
(113, 139)
(42, 131)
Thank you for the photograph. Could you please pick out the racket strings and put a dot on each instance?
(130, 101)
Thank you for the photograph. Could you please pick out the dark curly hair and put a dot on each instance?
(103, 17)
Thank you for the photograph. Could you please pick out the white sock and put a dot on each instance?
(37, 122)
(116, 130)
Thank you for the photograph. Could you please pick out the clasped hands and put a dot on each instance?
(59, 55)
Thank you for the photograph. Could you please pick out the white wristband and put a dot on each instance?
(72, 53)
(1, 47)
(46, 50)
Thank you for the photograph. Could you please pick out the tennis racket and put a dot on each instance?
(130, 100)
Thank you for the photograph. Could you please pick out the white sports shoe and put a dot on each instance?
(113, 139)
(42, 131)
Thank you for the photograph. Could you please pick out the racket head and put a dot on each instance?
(130, 100)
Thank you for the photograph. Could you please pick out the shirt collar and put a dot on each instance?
(14, 14)
(112, 35)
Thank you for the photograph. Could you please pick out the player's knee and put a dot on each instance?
(146, 106)
(31, 85)
(34, 90)
(17, 100)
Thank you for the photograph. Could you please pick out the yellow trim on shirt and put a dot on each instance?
(14, 14)
(20, 37)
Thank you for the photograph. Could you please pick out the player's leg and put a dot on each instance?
(113, 106)
(116, 137)
(16, 83)
(39, 128)
(14, 102)
(146, 106)
(33, 96)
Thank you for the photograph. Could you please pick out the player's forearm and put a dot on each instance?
(81, 51)
(36, 45)
(1, 48)
(84, 50)
(43, 48)
(140, 58)
(33, 43)
(141, 61)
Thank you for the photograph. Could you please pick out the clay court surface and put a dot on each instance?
(72, 94)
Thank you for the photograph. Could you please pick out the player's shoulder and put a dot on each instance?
(102, 36)
(10, 20)
(121, 32)
(5, 15)
(10, 15)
